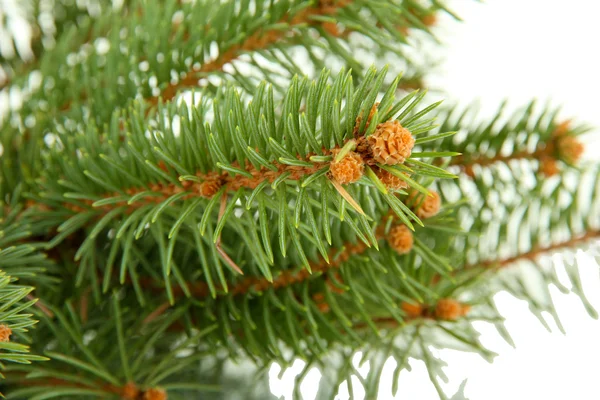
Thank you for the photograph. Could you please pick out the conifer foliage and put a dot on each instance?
(190, 189)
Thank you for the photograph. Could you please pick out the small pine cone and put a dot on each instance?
(5, 333)
(412, 310)
(570, 149)
(155, 394)
(349, 169)
(430, 206)
(390, 180)
(548, 167)
(210, 187)
(391, 144)
(450, 309)
(400, 239)
(130, 391)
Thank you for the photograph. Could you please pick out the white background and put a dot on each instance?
(521, 49)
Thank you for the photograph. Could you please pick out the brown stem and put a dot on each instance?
(287, 277)
(467, 163)
(211, 183)
(537, 251)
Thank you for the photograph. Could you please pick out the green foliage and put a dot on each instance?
(154, 207)
(163, 149)
(14, 308)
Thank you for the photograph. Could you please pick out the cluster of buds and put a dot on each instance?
(390, 144)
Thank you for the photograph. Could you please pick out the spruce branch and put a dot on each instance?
(273, 153)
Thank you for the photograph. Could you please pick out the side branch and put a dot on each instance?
(534, 253)
(257, 41)
(288, 277)
(561, 146)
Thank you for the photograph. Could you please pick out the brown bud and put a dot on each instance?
(390, 180)
(570, 149)
(450, 309)
(429, 19)
(331, 28)
(412, 310)
(369, 118)
(562, 128)
(163, 166)
(469, 171)
(400, 239)
(430, 206)
(548, 167)
(155, 394)
(391, 144)
(323, 307)
(349, 169)
(318, 297)
(210, 187)
(130, 391)
(5, 333)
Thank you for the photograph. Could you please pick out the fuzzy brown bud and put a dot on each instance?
(130, 391)
(400, 239)
(412, 310)
(562, 128)
(391, 143)
(5, 333)
(570, 149)
(429, 19)
(155, 394)
(450, 309)
(548, 167)
(209, 187)
(349, 169)
(430, 205)
(390, 180)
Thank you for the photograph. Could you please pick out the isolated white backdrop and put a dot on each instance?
(519, 49)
